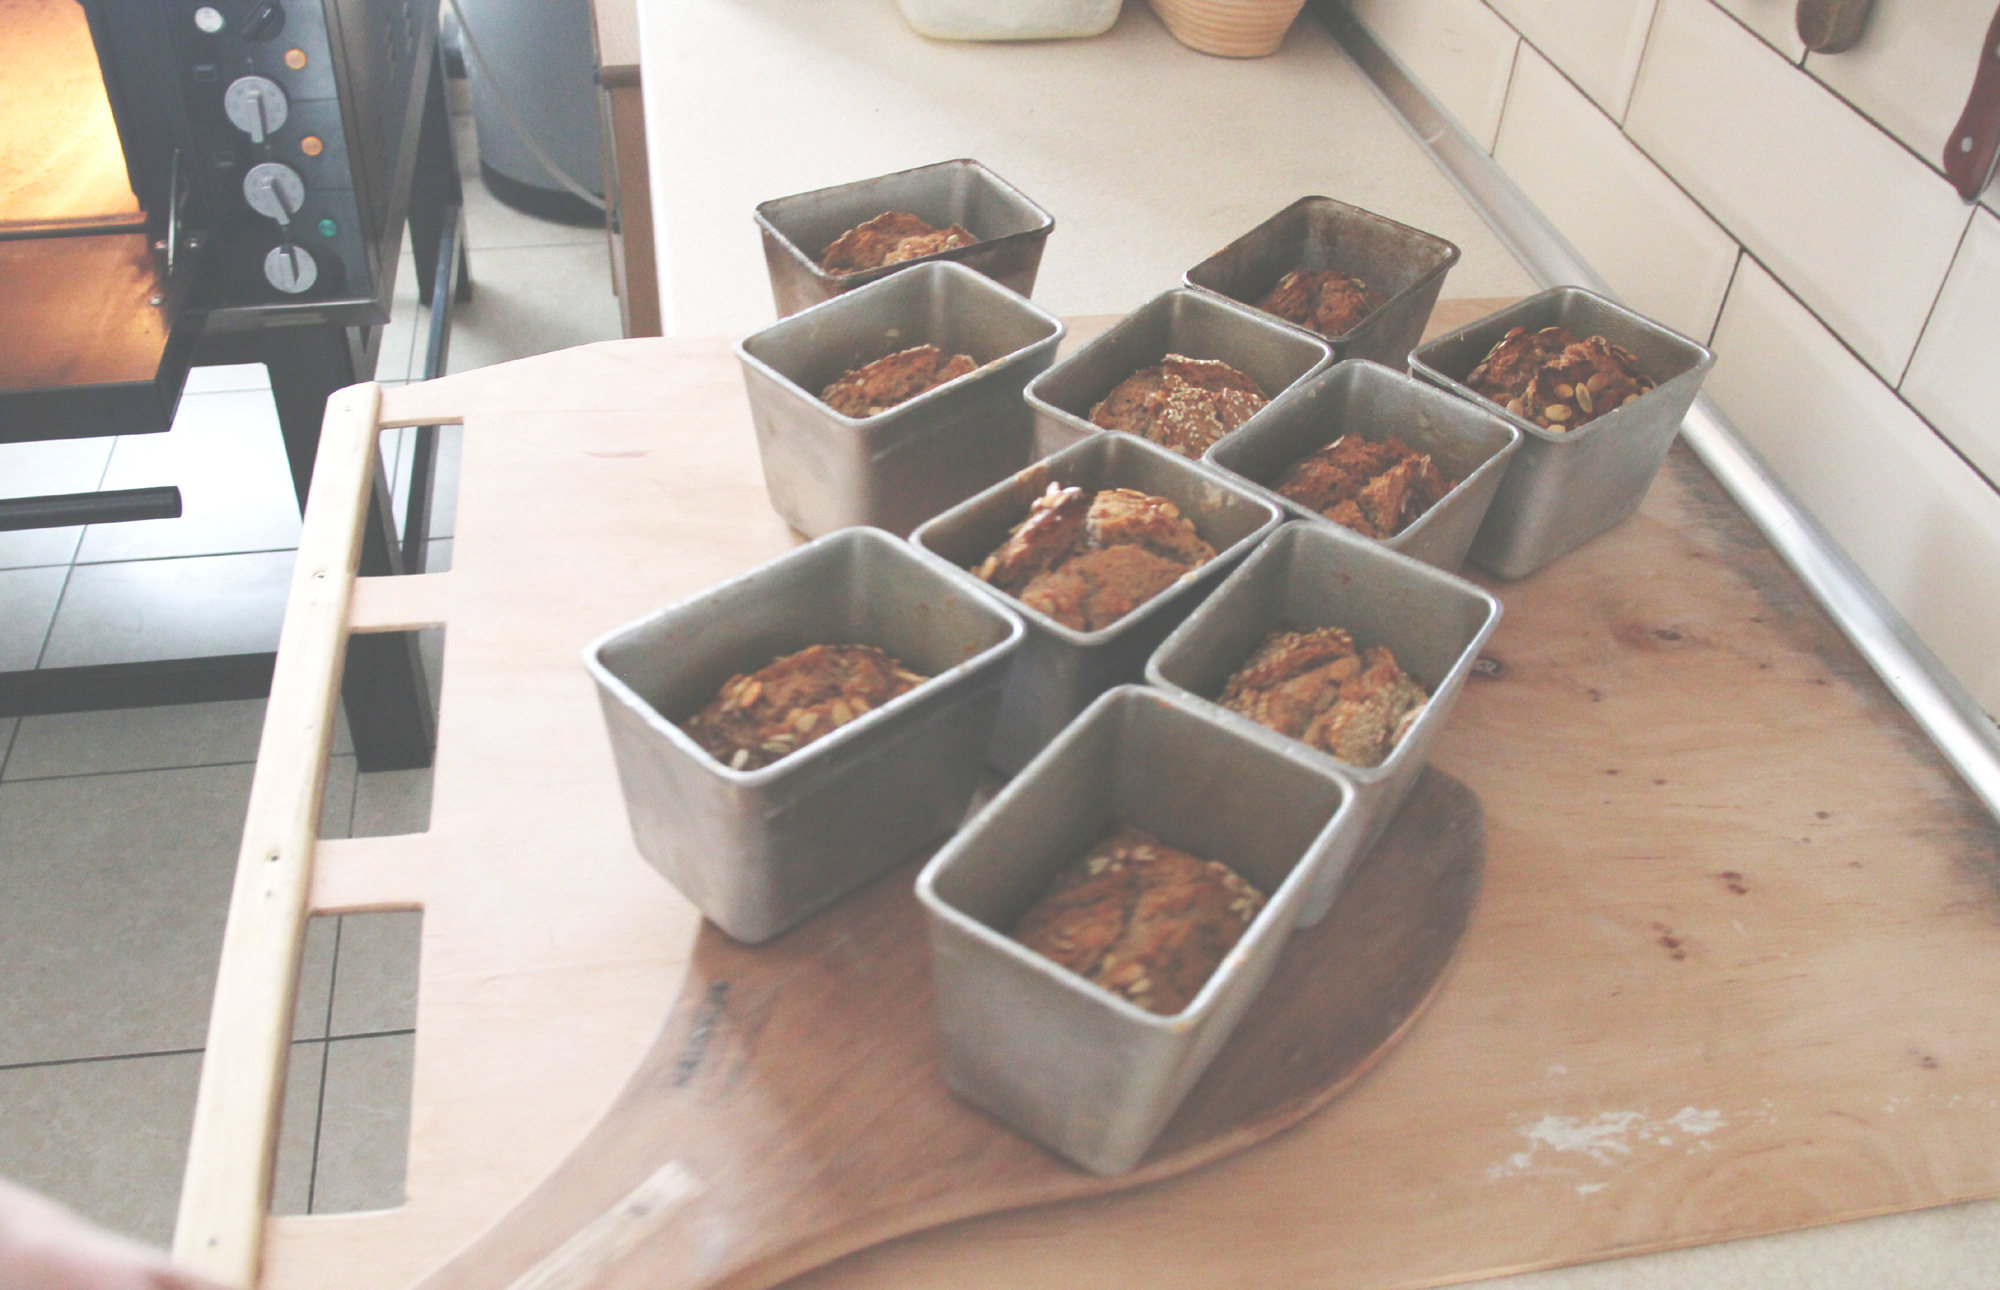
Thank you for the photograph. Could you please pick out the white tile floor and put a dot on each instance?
(118, 830)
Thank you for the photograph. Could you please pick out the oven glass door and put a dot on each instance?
(95, 334)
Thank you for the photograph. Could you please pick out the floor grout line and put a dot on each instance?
(319, 1124)
(107, 1057)
(69, 574)
(319, 1103)
(136, 770)
(7, 753)
(46, 564)
(195, 555)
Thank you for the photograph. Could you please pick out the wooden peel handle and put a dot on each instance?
(226, 1193)
(1974, 144)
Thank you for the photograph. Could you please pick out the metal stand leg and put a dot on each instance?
(437, 239)
(388, 702)
(436, 196)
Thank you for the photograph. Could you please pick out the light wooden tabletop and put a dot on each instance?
(1727, 976)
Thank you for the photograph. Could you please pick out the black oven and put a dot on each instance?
(219, 181)
(169, 167)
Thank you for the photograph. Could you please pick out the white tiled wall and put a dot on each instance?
(1852, 222)
(1775, 20)
(1921, 524)
(1707, 166)
(1460, 48)
(1597, 42)
(1912, 68)
(1955, 378)
(1659, 251)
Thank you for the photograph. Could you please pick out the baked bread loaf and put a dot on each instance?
(1181, 403)
(1314, 686)
(890, 238)
(1378, 489)
(1322, 300)
(1088, 559)
(884, 383)
(1141, 919)
(1557, 381)
(754, 720)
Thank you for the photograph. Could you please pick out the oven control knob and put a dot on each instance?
(291, 269)
(255, 105)
(274, 190)
(267, 19)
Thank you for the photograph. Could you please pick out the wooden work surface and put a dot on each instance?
(1729, 973)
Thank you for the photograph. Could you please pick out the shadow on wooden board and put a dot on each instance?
(792, 1109)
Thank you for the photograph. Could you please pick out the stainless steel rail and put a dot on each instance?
(1966, 736)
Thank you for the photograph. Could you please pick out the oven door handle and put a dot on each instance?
(173, 211)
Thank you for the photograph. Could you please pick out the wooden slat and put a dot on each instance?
(362, 875)
(399, 604)
(226, 1192)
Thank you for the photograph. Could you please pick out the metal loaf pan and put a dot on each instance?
(1059, 669)
(1193, 324)
(1085, 1073)
(894, 470)
(1564, 489)
(759, 850)
(1407, 264)
(797, 230)
(1320, 575)
(1468, 444)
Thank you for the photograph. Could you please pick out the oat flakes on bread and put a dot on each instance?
(1557, 381)
(890, 238)
(1181, 403)
(780, 708)
(1144, 920)
(896, 378)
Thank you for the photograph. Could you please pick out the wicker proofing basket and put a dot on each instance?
(1231, 28)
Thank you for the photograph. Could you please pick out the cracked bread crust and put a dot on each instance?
(890, 238)
(757, 719)
(1314, 686)
(1557, 381)
(897, 378)
(1087, 560)
(1378, 489)
(1323, 300)
(1181, 403)
(1141, 919)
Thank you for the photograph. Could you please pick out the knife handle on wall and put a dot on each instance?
(1975, 144)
